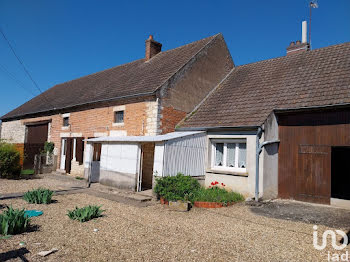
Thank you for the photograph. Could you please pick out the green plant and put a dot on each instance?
(13, 221)
(27, 172)
(79, 178)
(217, 194)
(85, 213)
(179, 187)
(49, 147)
(9, 160)
(38, 196)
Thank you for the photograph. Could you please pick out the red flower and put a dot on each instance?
(216, 182)
(212, 183)
(222, 184)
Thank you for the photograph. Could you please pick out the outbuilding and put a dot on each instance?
(132, 162)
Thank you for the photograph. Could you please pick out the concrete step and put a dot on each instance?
(135, 196)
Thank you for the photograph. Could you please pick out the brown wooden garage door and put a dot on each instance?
(307, 139)
(35, 139)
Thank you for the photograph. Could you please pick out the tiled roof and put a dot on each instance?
(250, 92)
(135, 78)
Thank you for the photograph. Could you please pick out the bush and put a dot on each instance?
(13, 221)
(9, 160)
(49, 147)
(179, 187)
(86, 213)
(216, 194)
(38, 196)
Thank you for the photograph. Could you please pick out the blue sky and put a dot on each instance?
(62, 40)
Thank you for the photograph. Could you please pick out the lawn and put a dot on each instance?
(128, 233)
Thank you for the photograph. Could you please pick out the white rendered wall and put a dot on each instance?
(158, 159)
(121, 158)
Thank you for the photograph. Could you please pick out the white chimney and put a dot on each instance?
(304, 32)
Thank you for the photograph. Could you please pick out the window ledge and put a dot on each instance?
(65, 127)
(227, 172)
(118, 124)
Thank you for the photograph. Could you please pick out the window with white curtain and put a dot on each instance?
(229, 154)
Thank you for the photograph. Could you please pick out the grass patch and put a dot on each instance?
(38, 196)
(79, 178)
(27, 172)
(13, 221)
(85, 213)
(216, 194)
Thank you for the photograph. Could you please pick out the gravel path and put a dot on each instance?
(53, 182)
(128, 233)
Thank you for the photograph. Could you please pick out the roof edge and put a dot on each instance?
(77, 105)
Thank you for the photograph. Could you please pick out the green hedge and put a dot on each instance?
(9, 161)
(179, 187)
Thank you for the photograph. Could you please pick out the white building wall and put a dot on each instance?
(13, 131)
(185, 155)
(158, 159)
(238, 182)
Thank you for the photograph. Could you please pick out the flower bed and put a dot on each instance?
(216, 196)
(201, 204)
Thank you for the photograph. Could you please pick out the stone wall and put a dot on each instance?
(13, 132)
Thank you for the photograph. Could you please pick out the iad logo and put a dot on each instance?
(335, 256)
(334, 239)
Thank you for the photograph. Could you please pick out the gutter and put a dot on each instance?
(259, 148)
(210, 128)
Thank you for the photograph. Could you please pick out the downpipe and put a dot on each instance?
(259, 148)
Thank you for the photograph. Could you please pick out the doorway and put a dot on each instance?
(36, 137)
(66, 154)
(147, 158)
(95, 164)
(340, 185)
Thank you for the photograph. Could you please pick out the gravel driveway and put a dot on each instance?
(274, 231)
(153, 233)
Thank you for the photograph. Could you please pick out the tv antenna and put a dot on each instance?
(313, 4)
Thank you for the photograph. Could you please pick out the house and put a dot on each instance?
(145, 97)
(281, 127)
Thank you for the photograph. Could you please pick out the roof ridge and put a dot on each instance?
(298, 54)
(121, 65)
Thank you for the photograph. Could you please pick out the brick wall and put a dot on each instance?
(91, 123)
(170, 118)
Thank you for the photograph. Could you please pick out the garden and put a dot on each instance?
(187, 189)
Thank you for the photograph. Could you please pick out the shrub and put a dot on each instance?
(9, 160)
(38, 196)
(86, 213)
(217, 194)
(13, 221)
(49, 147)
(179, 187)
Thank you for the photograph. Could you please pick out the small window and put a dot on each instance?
(119, 117)
(66, 121)
(229, 154)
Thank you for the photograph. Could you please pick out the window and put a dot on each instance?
(66, 121)
(119, 117)
(229, 154)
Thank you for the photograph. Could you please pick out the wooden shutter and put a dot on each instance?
(79, 152)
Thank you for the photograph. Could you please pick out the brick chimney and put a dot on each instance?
(299, 46)
(152, 48)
